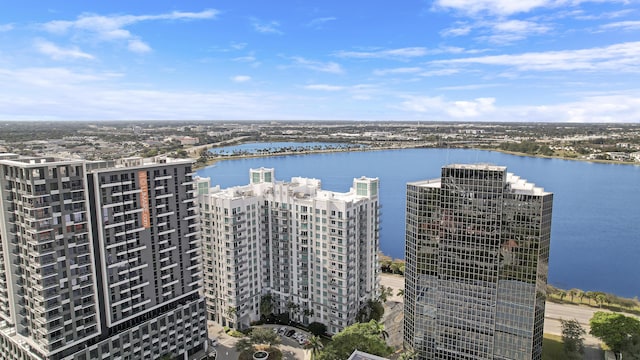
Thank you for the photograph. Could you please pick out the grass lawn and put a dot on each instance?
(552, 347)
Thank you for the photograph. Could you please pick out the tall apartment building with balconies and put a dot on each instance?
(100, 259)
(313, 251)
(477, 252)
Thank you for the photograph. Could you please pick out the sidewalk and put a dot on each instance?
(226, 348)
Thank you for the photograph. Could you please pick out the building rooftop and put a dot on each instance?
(359, 355)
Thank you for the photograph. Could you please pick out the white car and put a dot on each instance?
(213, 342)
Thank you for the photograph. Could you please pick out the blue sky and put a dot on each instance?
(440, 60)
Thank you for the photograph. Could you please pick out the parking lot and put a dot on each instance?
(291, 348)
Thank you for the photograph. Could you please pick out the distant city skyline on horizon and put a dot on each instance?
(437, 60)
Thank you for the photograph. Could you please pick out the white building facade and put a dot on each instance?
(315, 252)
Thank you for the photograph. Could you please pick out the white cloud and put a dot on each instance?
(318, 22)
(508, 31)
(57, 53)
(6, 27)
(440, 107)
(324, 87)
(519, 26)
(439, 72)
(59, 93)
(402, 70)
(355, 92)
(499, 7)
(138, 46)
(408, 52)
(605, 15)
(51, 78)
(459, 30)
(630, 25)
(111, 28)
(506, 7)
(248, 58)
(468, 87)
(241, 78)
(599, 108)
(238, 46)
(328, 67)
(271, 27)
(619, 57)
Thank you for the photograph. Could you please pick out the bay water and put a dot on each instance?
(595, 237)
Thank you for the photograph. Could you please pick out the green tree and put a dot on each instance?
(600, 299)
(266, 305)
(614, 329)
(572, 293)
(231, 312)
(372, 310)
(631, 349)
(589, 295)
(378, 328)
(264, 336)
(400, 292)
(573, 339)
(562, 294)
(317, 328)
(315, 345)
(293, 309)
(385, 292)
(244, 344)
(361, 336)
(385, 263)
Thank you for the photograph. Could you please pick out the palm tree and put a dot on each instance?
(400, 292)
(315, 345)
(293, 309)
(600, 299)
(231, 313)
(385, 292)
(562, 294)
(589, 295)
(572, 293)
(580, 295)
(378, 329)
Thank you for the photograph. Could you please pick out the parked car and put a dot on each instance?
(213, 342)
(289, 333)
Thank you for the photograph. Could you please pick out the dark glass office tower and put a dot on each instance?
(477, 249)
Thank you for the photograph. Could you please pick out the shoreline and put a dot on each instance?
(193, 152)
(213, 161)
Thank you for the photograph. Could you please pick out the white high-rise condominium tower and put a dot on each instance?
(99, 260)
(313, 252)
(477, 250)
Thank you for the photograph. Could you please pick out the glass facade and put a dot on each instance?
(477, 248)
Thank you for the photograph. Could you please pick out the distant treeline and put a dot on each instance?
(527, 147)
(602, 299)
(391, 265)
